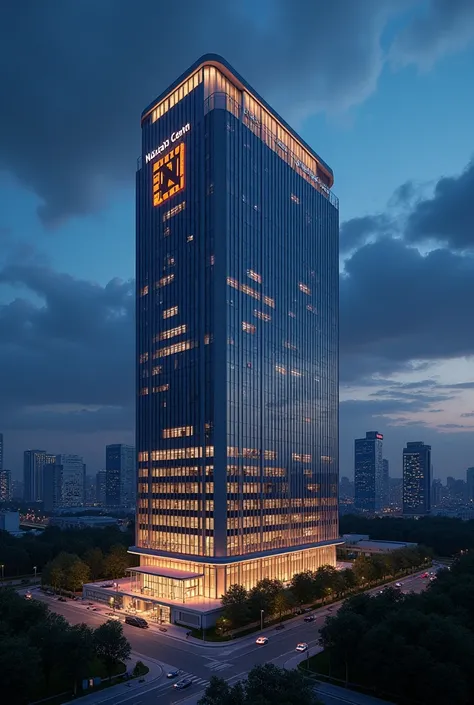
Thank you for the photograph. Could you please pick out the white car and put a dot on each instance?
(262, 640)
(302, 647)
(398, 584)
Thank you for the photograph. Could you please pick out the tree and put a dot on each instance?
(79, 650)
(116, 562)
(223, 625)
(265, 685)
(111, 646)
(342, 635)
(20, 666)
(281, 603)
(77, 575)
(235, 604)
(216, 693)
(302, 587)
(349, 579)
(17, 615)
(262, 597)
(95, 560)
(50, 638)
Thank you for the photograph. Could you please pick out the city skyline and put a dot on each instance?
(67, 225)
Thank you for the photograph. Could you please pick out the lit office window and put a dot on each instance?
(248, 327)
(172, 332)
(178, 432)
(305, 289)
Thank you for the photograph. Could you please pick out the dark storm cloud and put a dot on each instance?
(358, 231)
(75, 76)
(75, 346)
(395, 303)
(448, 216)
(440, 26)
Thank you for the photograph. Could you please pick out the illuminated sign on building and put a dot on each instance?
(168, 175)
(175, 136)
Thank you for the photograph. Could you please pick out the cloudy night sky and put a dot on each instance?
(382, 89)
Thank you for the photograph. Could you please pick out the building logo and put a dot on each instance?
(168, 175)
(175, 136)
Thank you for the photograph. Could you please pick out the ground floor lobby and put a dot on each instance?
(188, 592)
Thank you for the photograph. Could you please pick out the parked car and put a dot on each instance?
(61, 599)
(262, 640)
(183, 683)
(399, 585)
(302, 647)
(309, 618)
(136, 621)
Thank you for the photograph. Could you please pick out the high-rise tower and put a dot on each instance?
(237, 343)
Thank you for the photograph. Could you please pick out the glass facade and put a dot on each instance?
(368, 472)
(416, 478)
(237, 340)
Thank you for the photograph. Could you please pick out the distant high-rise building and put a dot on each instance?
(120, 466)
(346, 488)
(72, 476)
(63, 482)
(385, 483)
(5, 485)
(470, 484)
(33, 469)
(436, 493)
(18, 490)
(51, 487)
(90, 490)
(416, 478)
(1, 451)
(368, 472)
(101, 487)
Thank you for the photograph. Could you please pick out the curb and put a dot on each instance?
(110, 695)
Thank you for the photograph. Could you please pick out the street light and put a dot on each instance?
(112, 602)
(2, 566)
(35, 568)
(261, 620)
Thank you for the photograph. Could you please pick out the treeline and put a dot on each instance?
(19, 556)
(42, 655)
(69, 572)
(265, 685)
(412, 649)
(243, 606)
(444, 535)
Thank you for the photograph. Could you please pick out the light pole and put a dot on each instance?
(261, 620)
(112, 602)
(35, 568)
(2, 566)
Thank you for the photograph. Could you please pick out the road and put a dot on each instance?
(231, 662)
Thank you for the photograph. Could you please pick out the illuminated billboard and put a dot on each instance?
(168, 175)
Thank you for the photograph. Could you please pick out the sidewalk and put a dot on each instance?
(125, 688)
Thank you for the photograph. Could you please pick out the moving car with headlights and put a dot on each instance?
(183, 683)
(262, 640)
(302, 647)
